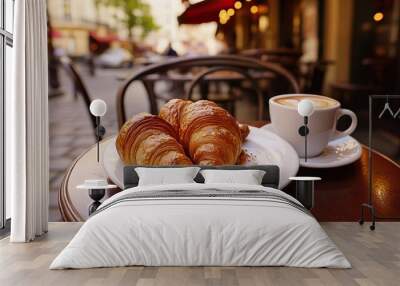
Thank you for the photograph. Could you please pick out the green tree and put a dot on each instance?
(135, 14)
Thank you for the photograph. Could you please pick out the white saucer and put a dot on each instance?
(339, 152)
(95, 187)
(95, 184)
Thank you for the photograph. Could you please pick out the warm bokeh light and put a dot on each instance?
(263, 23)
(248, 0)
(231, 12)
(222, 13)
(378, 16)
(238, 5)
(224, 16)
(254, 9)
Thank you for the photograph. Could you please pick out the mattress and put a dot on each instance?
(201, 225)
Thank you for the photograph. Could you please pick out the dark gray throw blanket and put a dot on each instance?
(206, 194)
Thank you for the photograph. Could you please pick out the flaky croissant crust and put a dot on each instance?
(149, 140)
(184, 133)
(172, 110)
(205, 113)
(210, 135)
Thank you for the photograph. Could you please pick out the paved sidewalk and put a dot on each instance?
(71, 132)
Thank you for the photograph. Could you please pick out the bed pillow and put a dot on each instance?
(247, 177)
(166, 176)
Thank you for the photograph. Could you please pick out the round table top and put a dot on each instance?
(89, 187)
(340, 193)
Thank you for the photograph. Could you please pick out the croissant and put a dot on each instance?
(172, 110)
(209, 133)
(244, 131)
(147, 139)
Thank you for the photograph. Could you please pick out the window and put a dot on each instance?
(6, 43)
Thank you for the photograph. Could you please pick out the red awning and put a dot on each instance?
(204, 11)
(53, 33)
(104, 39)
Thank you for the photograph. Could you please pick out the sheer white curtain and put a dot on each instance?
(27, 124)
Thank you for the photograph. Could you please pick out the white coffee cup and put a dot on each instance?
(286, 121)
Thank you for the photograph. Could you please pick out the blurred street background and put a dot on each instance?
(345, 49)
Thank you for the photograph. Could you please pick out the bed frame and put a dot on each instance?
(271, 177)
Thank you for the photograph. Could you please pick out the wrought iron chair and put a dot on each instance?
(378, 75)
(79, 87)
(313, 75)
(288, 58)
(211, 64)
(229, 102)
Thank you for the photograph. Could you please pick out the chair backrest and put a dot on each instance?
(314, 75)
(288, 58)
(79, 85)
(237, 63)
(243, 73)
(273, 54)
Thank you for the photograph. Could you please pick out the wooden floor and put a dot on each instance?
(375, 257)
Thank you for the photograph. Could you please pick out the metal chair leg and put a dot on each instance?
(372, 226)
(373, 215)
(361, 221)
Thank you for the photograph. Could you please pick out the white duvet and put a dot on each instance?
(200, 231)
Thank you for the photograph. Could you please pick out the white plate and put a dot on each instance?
(339, 152)
(264, 148)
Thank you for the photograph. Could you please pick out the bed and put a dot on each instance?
(198, 224)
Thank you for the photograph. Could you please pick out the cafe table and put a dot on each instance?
(338, 195)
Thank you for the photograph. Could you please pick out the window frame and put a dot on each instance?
(6, 39)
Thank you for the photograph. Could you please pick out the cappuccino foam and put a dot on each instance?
(318, 101)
